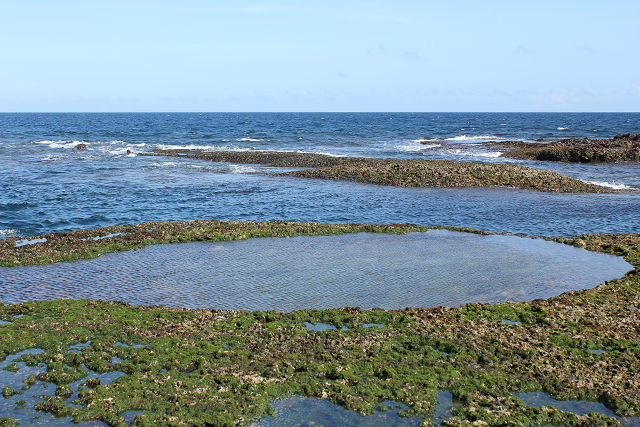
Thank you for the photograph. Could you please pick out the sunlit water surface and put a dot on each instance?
(359, 270)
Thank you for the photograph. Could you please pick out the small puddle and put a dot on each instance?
(580, 407)
(510, 322)
(303, 411)
(77, 348)
(20, 406)
(319, 327)
(443, 408)
(131, 346)
(103, 237)
(29, 242)
(373, 325)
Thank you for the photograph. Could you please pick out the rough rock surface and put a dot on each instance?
(619, 148)
(402, 172)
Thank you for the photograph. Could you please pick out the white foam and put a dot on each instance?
(420, 141)
(488, 154)
(430, 146)
(248, 140)
(59, 144)
(8, 232)
(244, 169)
(561, 128)
(203, 147)
(471, 138)
(610, 185)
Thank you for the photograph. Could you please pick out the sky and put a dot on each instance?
(401, 55)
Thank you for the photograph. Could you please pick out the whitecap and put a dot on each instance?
(471, 138)
(425, 146)
(488, 154)
(248, 140)
(610, 185)
(203, 147)
(242, 169)
(59, 144)
(7, 232)
(561, 128)
(423, 140)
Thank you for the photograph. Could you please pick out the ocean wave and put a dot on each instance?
(60, 144)
(610, 185)
(242, 169)
(202, 147)
(420, 141)
(471, 138)
(561, 128)
(248, 140)
(8, 232)
(486, 154)
(422, 147)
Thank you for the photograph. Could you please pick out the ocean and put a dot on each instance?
(45, 186)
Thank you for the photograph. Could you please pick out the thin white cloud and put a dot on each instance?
(524, 49)
(413, 55)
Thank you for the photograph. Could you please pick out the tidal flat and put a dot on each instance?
(175, 366)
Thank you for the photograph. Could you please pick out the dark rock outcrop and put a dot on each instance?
(584, 150)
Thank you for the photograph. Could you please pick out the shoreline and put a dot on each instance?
(239, 361)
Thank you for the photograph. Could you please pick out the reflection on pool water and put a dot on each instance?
(310, 411)
(580, 407)
(20, 406)
(360, 270)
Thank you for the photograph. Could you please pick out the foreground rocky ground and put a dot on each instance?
(617, 149)
(401, 172)
(219, 367)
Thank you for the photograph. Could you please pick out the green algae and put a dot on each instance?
(221, 367)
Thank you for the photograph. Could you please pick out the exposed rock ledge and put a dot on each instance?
(619, 148)
(401, 172)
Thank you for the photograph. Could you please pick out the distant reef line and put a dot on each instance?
(398, 172)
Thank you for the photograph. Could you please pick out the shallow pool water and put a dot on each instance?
(360, 270)
(581, 407)
(310, 411)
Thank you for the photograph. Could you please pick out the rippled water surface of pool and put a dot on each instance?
(365, 270)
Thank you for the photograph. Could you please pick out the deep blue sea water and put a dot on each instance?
(45, 186)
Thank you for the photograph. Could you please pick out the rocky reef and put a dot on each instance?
(220, 367)
(617, 149)
(401, 172)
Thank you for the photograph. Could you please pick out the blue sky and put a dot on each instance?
(194, 55)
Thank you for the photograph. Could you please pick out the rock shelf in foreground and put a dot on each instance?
(401, 172)
(220, 367)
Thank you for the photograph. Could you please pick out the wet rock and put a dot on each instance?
(401, 172)
(575, 150)
(81, 147)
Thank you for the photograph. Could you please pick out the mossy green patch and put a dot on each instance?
(222, 367)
